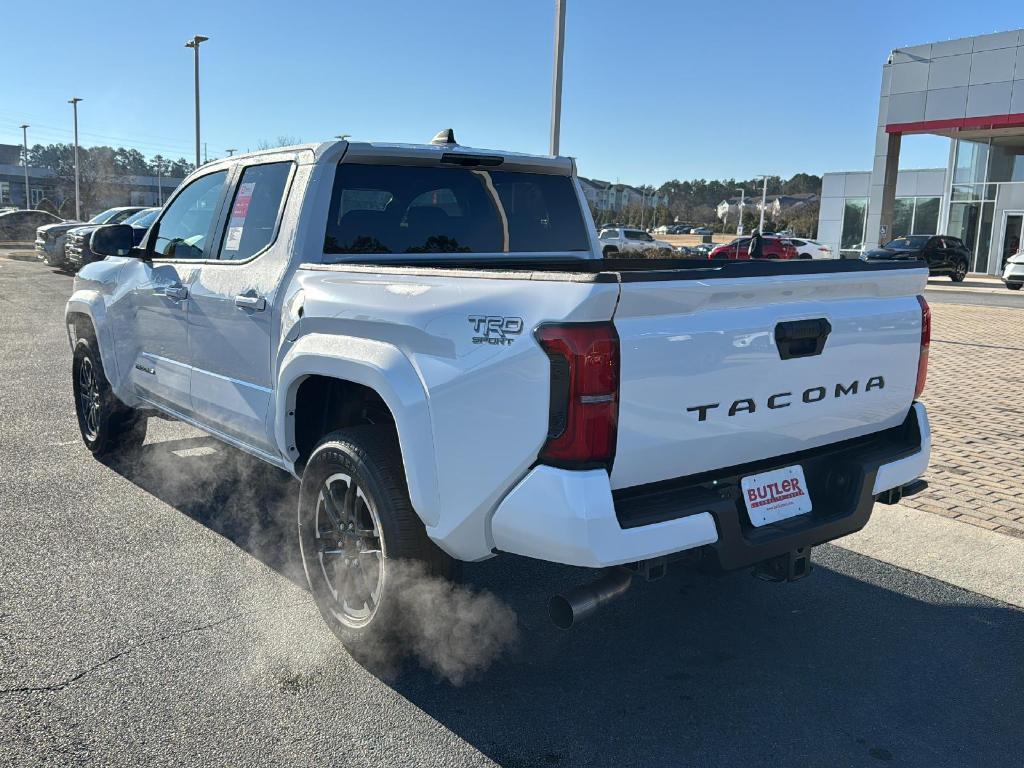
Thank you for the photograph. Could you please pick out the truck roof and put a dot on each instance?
(332, 151)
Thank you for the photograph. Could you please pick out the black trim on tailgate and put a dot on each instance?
(840, 479)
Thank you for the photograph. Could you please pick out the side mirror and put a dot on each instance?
(113, 240)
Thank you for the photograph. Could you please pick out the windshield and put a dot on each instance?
(142, 218)
(907, 243)
(103, 218)
(396, 209)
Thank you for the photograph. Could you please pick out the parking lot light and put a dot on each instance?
(73, 101)
(739, 224)
(764, 198)
(24, 140)
(194, 45)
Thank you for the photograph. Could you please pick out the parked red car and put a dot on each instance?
(772, 248)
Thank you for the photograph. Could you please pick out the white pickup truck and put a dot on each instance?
(428, 337)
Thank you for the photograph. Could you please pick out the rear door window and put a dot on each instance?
(393, 209)
(255, 209)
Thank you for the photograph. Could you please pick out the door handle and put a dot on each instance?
(255, 303)
(802, 338)
(176, 292)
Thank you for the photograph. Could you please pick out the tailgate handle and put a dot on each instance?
(802, 338)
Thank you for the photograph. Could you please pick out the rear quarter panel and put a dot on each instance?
(486, 393)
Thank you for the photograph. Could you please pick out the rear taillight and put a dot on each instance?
(926, 341)
(583, 413)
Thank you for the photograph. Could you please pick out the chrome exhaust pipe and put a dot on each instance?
(568, 609)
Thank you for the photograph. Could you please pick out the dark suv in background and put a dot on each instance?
(77, 250)
(945, 254)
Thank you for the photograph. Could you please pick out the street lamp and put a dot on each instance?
(764, 197)
(556, 85)
(159, 163)
(194, 45)
(231, 152)
(78, 198)
(343, 136)
(739, 224)
(24, 140)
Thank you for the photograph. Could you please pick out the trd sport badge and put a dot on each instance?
(492, 329)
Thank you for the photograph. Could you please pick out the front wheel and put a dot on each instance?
(959, 272)
(108, 426)
(362, 543)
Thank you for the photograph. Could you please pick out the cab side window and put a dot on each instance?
(187, 224)
(252, 222)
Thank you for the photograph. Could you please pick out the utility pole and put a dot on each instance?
(764, 197)
(194, 45)
(78, 197)
(206, 156)
(739, 224)
(556, 86)
(24, 141)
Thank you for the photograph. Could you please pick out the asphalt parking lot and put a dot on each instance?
(155, 614)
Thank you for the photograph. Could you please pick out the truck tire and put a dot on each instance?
(109, 428)
(360, 538)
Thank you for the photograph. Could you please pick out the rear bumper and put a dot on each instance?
(574, 517)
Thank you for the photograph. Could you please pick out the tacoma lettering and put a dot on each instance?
(810, 395)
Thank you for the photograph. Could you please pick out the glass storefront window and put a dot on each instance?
(916, 216)
(903, 217)
(855, 215)
(984, 238)
(968, 192)
(971, 162)
(926, 216)
(1006, 159)
(963, 222)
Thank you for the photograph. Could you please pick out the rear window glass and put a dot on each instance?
(393, 209)
(914, 241)
(254, 210)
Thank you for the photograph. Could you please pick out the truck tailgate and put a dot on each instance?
(723, 371)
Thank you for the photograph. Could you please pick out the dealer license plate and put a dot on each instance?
(776, 495)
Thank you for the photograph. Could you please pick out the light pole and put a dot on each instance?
(24, 141)
(194, 45)
(78, 198)
(764, 197)
(739, 225)
(556, 85)
(159, 181)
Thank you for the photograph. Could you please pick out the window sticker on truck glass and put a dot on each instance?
(238, 213)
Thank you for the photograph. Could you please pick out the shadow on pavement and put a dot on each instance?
(860, 664)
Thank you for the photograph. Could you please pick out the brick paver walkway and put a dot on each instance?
(975, 383)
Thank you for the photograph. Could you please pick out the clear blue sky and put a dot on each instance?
(654, 89)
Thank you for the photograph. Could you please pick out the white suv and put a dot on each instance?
(623, 240)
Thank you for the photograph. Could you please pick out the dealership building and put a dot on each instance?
(972, 91)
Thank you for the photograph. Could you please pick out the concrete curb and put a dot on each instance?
(980, 561)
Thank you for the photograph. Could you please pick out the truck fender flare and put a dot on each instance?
(91, 304)
(387, 371)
